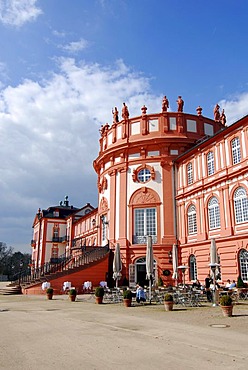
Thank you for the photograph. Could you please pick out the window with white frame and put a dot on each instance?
(104, 227)
(192, 267)
(192, 225)
(243, 264)
(240, 205)
(236, 152)
(144, 175)
(190, 173)
(213, 213)
(145, 224)
(210, 163)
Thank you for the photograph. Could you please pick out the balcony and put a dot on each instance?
(58, 239)
(143, 239)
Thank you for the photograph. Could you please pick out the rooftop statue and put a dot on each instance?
(125, 112)
(165, 104)
(115, 115)
(199, 110)
(104, 129)
(143, 110)
(217, 113)
(223, 117)
(180, 104)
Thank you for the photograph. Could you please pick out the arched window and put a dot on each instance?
(243, 264)
(240, 205)
(190, 173)
(236, 153)
(192, 268)
(213, 213)
(192, 226)
(210, 163)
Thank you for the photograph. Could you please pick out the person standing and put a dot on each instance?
(208, 282)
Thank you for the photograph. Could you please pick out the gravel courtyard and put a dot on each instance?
(40, 334)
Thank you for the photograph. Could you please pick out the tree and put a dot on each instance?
(5, 253)
(12, 264)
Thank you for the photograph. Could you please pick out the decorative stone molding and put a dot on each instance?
(145, 196)
(103, 205)
(102, 185)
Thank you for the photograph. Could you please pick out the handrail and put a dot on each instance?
(64, 263)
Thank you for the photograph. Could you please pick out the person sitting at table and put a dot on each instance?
(196, 284)
(232, 285)
(228, 283)
(140, 294)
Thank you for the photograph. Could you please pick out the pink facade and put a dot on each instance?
(179, 177)
(211, 201)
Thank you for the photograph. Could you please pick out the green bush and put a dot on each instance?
(127, 294)
(160, 281)
(49, 291)
(168, 297)
(99, 292)
(240, 283)
(226, 300)
(73, 291)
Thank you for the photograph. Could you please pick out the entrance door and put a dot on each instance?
(141, 274)
(140, 271)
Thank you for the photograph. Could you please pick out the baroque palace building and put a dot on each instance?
(179, 177)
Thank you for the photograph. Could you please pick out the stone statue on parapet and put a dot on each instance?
(223, 117)
(115, 115)
(165, 104)
(143, 110)
(180, 104)
(125, 112)
(104, 129)
(199, 110)
(217, 113)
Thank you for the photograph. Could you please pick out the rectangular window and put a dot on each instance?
(190, 173)
(214, 217)
(191, 125)
(104, 227)
(210, 163)
(192, 226)
(236, 154)
(144, 225)
(55, 251)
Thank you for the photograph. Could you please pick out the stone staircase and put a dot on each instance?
(65, 267)
(10, 289)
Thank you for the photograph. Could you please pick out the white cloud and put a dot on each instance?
(59, 33)
(235, 107)
(49, 137)
(75, 46)
(18, 12)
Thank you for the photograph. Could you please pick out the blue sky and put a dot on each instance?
(65, 64)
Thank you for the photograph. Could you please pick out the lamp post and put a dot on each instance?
(183, 269)
(213, 267)
(20, 270)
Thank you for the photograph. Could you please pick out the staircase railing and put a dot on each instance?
(63, 263)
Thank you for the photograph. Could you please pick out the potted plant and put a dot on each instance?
(99, 293)
(72, 294)
(226, 305)
(49, 293)
(127, 297)
(168, 302)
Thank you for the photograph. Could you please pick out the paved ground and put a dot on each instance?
(40, 334)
